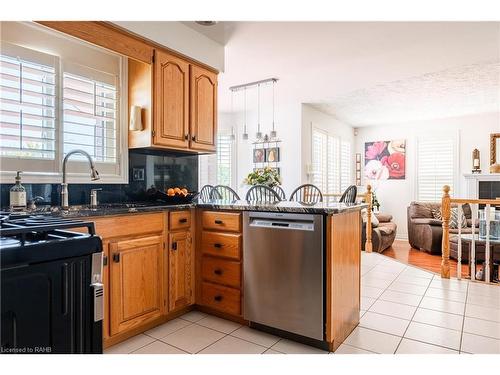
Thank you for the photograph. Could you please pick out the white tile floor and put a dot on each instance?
(404, 310)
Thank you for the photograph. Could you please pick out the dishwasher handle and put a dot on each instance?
(282, 224)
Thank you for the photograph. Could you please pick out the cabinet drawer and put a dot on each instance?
(221, 244)
(225, 221)
(179, 220)
(221, 271)
(221, 298)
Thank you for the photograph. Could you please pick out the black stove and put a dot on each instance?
(51, 285)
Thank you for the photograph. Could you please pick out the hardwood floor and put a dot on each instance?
(402, 251)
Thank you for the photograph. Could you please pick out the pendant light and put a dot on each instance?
(259, 133)
(273, 133)
(232, 117)
(245, 133)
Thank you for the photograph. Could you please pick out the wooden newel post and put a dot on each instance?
(368, 244)
(445, 245)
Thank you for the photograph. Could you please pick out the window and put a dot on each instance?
(28, 113)
(89, 113)
(345, 165)
(331, 162)
(436, 166)
(51, 105)
(224, 159)
(218, 169)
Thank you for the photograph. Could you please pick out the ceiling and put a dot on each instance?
(368, 73)
(459, 91)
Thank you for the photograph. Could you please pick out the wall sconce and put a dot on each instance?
(136, 118)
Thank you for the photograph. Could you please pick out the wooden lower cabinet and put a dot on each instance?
(219, 262)
(180, 271)
(222, 298)
(135, 281)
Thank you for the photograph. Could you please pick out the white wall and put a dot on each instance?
(180, 38)
(311, 117)
(395, 195)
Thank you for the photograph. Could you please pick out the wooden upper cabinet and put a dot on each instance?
(171, 101)
(203, 109)
(135, 281)
(178, 101)
(181, 270)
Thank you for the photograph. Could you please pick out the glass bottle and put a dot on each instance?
(17, 195)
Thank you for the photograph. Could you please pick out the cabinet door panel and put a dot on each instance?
(135, 281)
(180, 270)
(203, 109)
(171, 101)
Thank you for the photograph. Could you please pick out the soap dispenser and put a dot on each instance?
(18, 195)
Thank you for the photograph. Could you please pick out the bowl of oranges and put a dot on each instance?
(178, 195)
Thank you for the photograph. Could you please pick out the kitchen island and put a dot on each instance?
(163, 260)
(341, 245)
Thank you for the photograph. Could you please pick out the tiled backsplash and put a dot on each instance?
(146, 169)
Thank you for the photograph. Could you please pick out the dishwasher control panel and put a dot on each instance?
(283, 224)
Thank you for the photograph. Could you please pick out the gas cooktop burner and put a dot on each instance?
(21, 229)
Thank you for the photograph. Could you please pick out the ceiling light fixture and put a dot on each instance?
(273, 133)
(206, 23)
(245, 133)
(259, 133)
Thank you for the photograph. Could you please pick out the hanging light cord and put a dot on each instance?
(258, 108)
(273, 105)
(245, 108)
(232, 113)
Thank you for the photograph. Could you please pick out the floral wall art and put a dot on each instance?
(385, 160)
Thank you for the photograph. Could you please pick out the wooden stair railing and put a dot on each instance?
(446, 205)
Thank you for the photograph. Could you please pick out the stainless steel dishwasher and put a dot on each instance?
(283, 271)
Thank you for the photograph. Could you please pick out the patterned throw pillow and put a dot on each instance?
(454, 219)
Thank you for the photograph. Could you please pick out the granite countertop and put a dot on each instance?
(283, 206)
(107, 209)
(240, 205)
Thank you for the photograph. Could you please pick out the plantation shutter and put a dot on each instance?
(345, 162)
(224, 157)
(217, 169)
(435, 167)
(333, 165)
(90, 113)
(319, 159)
(28, 104)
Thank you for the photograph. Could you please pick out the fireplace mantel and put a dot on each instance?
(472, 182)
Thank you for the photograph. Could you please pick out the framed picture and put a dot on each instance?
(259, 155)
(273, 154)
(385, 160)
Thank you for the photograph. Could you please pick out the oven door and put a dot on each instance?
(49, 308)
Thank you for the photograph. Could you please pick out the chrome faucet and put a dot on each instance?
(94, 175)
